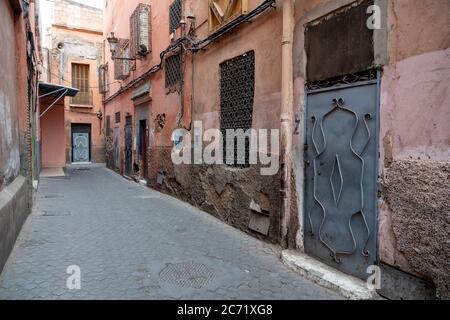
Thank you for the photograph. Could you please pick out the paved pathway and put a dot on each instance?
(131, 242)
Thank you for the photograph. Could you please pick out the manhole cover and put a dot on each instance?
(32, 243)
(53, 196)
(187, 275)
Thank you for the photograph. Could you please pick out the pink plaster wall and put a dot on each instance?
(53, 137)
(415, 104)
(415, 95)
(9, 104)
(415, 100)
(263, 36)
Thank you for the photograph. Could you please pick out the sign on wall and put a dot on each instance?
(222, 12)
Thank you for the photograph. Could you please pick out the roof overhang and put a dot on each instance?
(47, 89)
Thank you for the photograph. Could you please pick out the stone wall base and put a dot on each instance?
(15, 206)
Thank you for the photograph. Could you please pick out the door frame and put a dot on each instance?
(143, 137)
(304, 140)
(128, 123)
(81, 128)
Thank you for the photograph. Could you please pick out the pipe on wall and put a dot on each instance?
(287, 103)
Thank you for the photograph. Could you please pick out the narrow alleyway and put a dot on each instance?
(134, 243)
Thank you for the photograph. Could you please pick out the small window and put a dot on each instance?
(237, 89)
(173, 71)
(80, 80)
(175, 15)
(140, 26)
(117, 117)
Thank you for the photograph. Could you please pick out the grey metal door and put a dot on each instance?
(341, 177)
(128, 147)
(80, 142)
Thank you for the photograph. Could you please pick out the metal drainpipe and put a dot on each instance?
(287, 101)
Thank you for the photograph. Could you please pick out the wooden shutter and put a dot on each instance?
(118, 63)
(80, 80)
(140, 26)
(101, 80)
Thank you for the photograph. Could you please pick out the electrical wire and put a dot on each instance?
(70, 83)
(195, 46)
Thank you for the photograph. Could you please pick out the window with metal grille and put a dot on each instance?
(237, 89)
(140, 26)
(80, 80)
(175, 15)
(173, 71)
(117, 115)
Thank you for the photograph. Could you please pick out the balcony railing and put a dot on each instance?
(82, 99)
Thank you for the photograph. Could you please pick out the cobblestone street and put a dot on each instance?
(134, 243)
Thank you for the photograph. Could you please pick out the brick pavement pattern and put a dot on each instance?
(132, 242)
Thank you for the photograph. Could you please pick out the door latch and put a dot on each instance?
(297, 123)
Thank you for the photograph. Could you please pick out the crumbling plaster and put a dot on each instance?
(414, 111)
(9, 118)
(418, 195)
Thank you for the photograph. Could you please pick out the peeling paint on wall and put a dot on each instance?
(9, 148)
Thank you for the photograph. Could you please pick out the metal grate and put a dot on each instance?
(340, 43)
(237, 89)
(174, 15)
(117, 117)
(187, 275)
(173, 71)
(366, 75)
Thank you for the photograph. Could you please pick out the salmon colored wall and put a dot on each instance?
(263, 36)
(9, 117)
(116, 19)
(84, 115)
(414, 94)
(53, 137)
(88, 52)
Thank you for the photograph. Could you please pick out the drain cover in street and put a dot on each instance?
(187, 275)
(56, 213)
(53, 196)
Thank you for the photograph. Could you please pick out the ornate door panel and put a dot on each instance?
(341, 177)
(80, 143)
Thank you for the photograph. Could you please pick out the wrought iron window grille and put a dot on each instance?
(237, 89)
(175, 10)
(173, 72)
(366, 75)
